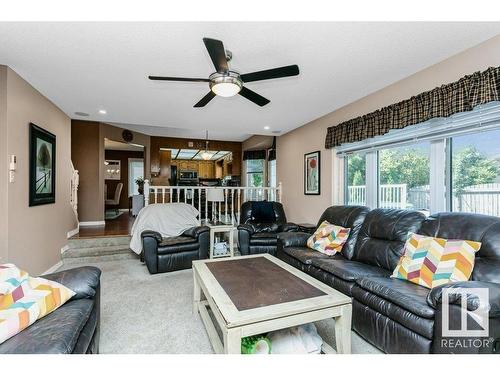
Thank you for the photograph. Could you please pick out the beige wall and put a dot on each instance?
(292, 146)
(4, 164)
(36, 234)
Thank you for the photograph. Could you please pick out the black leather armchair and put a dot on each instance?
(73, 327)
(175, 253)
(260, 224)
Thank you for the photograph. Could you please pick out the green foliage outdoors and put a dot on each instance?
(411, 166)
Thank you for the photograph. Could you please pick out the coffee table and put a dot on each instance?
(256, 294)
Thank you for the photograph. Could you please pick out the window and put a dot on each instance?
(475, 173)
(135, 170)
(404, 175)
(356, 179)
(448, 164)
(255, 172)
(271, 173)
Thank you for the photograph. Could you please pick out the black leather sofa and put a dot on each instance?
(395, 315)
(73, 327)
(175, 253)
(260, 224)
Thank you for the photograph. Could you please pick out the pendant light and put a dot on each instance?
(205, 154)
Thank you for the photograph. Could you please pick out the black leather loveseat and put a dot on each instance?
(395, 315)
(260, 224)
(175, 253)
(73, 327)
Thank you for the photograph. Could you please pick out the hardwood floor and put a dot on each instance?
(120, 226)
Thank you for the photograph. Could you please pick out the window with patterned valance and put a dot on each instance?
(444, 101)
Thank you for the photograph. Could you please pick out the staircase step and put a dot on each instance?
(97, 259)
(80, 243)
(96, 251)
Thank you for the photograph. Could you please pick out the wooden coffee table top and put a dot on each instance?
(260, 287)
(257, 282)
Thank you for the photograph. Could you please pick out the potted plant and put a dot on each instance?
(140, 184)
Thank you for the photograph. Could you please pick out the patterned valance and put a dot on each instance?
(460, 96)
(254, 155)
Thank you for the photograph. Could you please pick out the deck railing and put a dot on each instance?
(228, 210)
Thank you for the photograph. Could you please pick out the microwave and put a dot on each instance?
(188, 175)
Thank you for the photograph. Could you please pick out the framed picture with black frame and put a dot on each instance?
(42, 166)
(312, 173)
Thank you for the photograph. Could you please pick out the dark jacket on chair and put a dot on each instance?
(260, 224)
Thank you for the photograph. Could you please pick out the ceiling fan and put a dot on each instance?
(225, 82)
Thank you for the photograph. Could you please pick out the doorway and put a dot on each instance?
(123, 172)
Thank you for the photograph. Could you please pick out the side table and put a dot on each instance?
(219, 227)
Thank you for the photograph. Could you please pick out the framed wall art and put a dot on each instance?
(42, 166)
(312, 173)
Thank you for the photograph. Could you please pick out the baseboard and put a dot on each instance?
(64, 249)
(72, 232)
(54, 268)
(91, 223)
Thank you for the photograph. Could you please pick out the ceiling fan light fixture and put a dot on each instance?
(225, 85)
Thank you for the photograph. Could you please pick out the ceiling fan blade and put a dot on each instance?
(284, 71)
(217, 54)
(178, 79)
(253, 97)
(204, 101)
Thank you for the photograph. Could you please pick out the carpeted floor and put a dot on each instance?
(143, 313)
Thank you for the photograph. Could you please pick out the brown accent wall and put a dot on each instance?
(292, 146)
(35, 235)
(88, 155)
(123, 156)
(85, 142)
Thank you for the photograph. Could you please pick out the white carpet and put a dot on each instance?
(143, 313)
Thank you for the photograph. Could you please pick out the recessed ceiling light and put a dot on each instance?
(266, 128)
(102, 111)
(81, 114)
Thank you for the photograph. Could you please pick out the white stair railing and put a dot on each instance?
(75, 182)
(228, 210)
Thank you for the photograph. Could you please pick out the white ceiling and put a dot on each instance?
(90, 66)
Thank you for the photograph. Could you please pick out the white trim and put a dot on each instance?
(437, 180)
(54, 268)
(372, 179)
(64, 249)
(337, 181)
(123, 209)
(72, 232)
(91, 223)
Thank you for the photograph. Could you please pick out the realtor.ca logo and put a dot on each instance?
(472, 321)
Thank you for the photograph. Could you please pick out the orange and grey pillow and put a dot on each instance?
(328, 238)
(24, 299)
(431, 261)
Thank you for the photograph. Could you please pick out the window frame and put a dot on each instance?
(482, 119)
